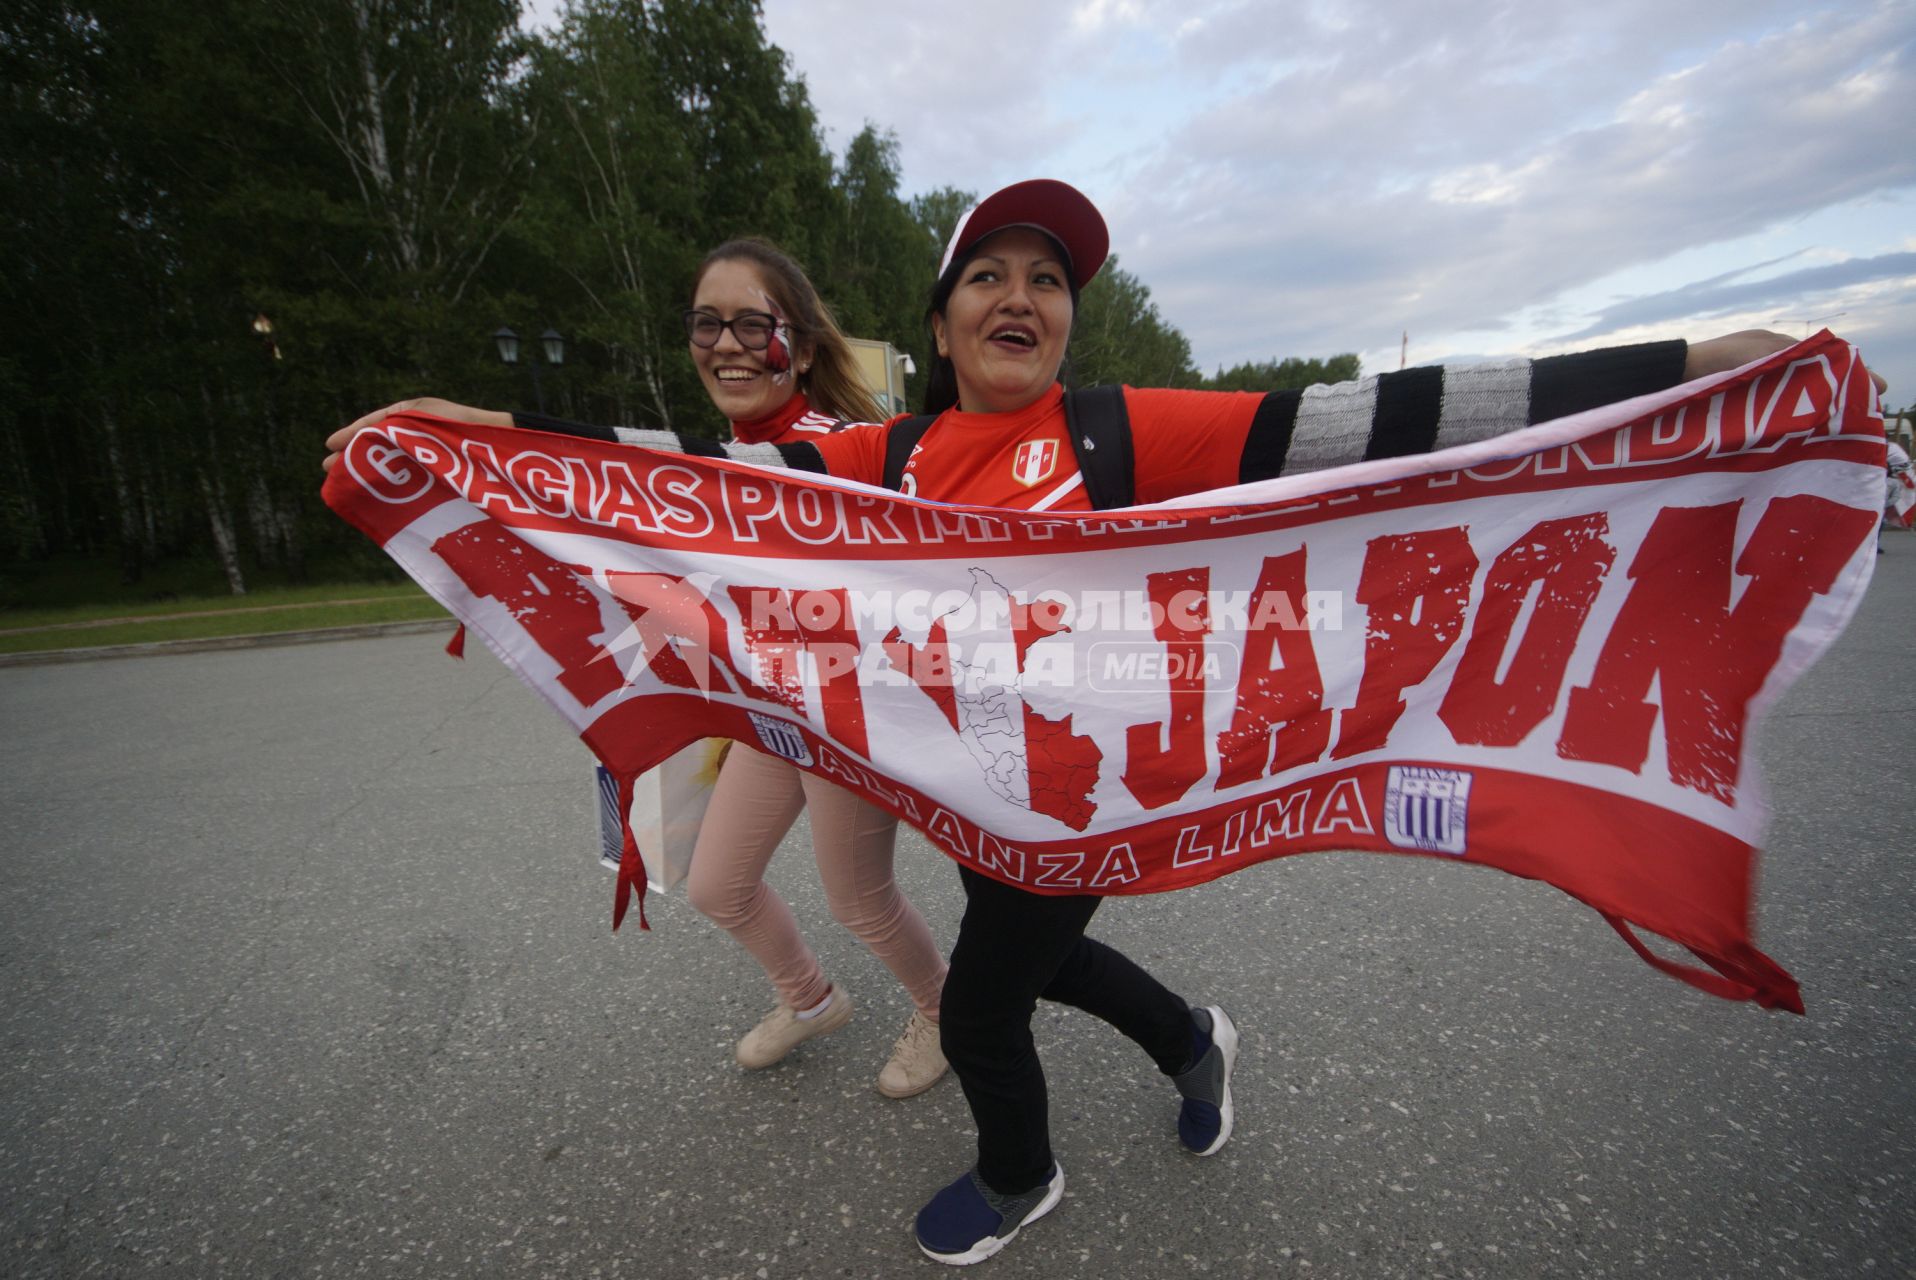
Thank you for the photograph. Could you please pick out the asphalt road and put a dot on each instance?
(305, 970)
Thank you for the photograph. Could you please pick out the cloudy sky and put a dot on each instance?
(1304, 177)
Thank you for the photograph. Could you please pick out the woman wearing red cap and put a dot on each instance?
(1001, 316)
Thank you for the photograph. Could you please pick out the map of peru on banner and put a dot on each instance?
(1545, 653)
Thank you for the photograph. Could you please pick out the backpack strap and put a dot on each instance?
(1100, 430)
(1096, 421)
(901, 437)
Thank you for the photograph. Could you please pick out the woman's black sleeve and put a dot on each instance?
(561, 426)
(797, 457)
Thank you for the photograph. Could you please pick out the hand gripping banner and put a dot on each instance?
(1545, 653)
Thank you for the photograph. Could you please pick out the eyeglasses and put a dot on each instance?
(753, 329)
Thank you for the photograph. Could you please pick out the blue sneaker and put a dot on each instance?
(967, 1222)
(1204, 1121)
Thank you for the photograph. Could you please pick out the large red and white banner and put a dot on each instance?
(1545, 652)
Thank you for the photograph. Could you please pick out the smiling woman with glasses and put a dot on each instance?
(774, 362)
(767, 348)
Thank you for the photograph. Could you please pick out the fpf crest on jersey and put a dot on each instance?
(1034, 462)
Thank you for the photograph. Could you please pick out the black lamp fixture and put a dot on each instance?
(263, 326)
(551, 342)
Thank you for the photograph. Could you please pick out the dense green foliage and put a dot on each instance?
(1288, 374)
(230, 227)
(1120, 337)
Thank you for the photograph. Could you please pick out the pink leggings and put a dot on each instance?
(754, 804)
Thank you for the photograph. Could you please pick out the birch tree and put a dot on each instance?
(408, 94)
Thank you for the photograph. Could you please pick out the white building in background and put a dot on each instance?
(884, 369)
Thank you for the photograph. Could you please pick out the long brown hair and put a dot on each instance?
(832, 384)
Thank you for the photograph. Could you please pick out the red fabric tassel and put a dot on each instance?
(456, 647)
(631, 864)
(1763, 982)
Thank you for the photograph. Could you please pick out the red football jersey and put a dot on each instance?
(1183, 442)
(795, 421)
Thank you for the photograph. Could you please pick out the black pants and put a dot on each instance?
(1012, 948)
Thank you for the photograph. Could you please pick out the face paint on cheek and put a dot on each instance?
(778, 353)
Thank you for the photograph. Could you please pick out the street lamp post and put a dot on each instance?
(904, 367)
(1810, 321)
(263, 326)
(552, 342)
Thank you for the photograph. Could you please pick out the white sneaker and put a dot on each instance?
(916, 1060)
(782, 1031)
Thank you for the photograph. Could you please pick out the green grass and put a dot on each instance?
(72, 581)
(287, 609)
(59, 615)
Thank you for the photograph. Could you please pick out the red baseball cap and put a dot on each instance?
(1056, 208)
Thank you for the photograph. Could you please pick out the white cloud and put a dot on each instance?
(1317, 175)
(1709, 152)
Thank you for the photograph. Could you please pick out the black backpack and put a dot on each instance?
(1100, 432)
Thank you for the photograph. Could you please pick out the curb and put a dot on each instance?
(214, 644)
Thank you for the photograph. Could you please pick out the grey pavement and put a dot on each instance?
(306, 970)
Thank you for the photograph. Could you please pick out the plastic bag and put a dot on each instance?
(668, 806)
